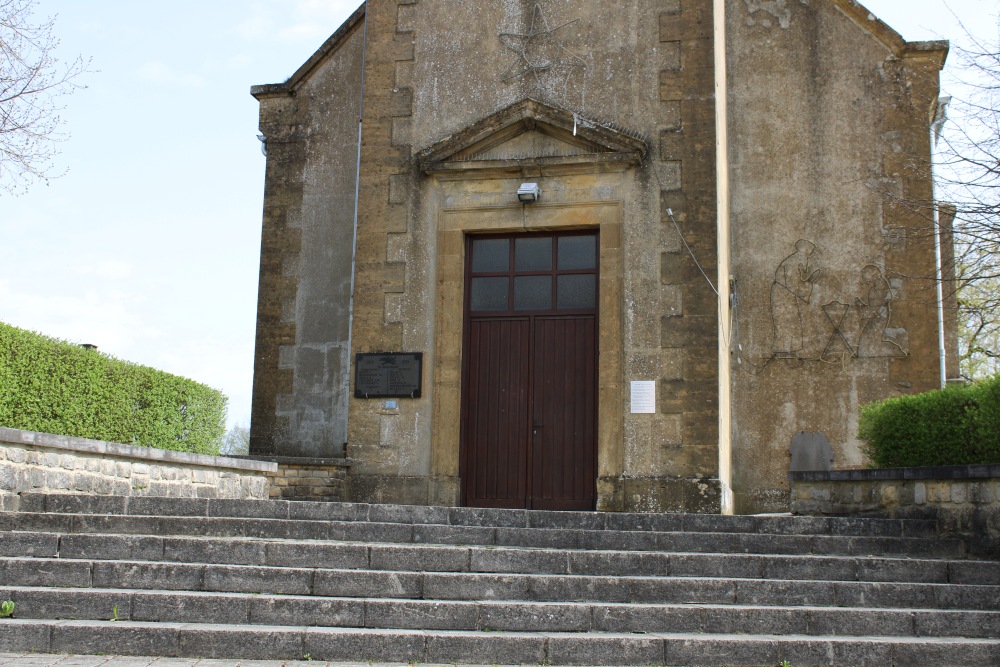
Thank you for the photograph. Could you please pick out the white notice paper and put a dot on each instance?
(643, 397)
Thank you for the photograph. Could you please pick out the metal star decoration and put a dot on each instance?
(541, 53)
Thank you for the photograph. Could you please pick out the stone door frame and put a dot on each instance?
(453, 224)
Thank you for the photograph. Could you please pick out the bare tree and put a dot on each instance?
(968, 174)
(236, 442)
(979, 329)
(32, 79)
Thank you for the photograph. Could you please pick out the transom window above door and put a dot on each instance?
(535, 273)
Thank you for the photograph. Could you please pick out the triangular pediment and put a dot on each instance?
(531, 135)
(534, 143)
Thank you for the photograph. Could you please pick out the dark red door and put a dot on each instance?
(529, 405)
(563, 409)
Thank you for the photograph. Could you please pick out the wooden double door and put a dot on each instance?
(529, 403)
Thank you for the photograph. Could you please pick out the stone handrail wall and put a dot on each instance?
(41, 462)
(963, 500)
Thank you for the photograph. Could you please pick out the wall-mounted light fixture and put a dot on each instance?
(528, 193)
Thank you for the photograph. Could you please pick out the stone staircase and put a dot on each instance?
(349, 582)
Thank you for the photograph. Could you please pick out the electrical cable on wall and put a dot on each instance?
(732, 310)
(670, 214)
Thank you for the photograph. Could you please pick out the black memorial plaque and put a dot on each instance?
(389, 375)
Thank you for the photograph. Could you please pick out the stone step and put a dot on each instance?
(438, 646)
(473, 517)
(560, 538)
(73, 573)
(334, 581)
(429, 558)
(508, 616)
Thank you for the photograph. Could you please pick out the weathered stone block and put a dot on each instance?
(16, 454)
(479, 648)
(629, 650)
(224, 642)
(959, 493)
(57, 480)
(91, 637)
(345, 645)
(367, 584)
(629, 618)
(443, 586)
(306, 612)
(8, 478)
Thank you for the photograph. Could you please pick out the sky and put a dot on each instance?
(148, 245)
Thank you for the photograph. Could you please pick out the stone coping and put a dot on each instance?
(301, 460)
(16, 436)
(875, 474)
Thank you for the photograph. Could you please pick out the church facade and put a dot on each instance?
(571, 254)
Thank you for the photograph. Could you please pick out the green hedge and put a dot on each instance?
(53, 386)
(953, 426)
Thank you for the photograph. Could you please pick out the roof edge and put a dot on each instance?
(269, 90)
(873, 24)
(328, 47)
(936, 51)
(895, 42)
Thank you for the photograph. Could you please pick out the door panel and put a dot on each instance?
(496, 407)
(564, 443)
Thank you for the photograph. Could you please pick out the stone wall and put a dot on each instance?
(40, 462)
(301, 363)
(317, 480)
(964, 500)
(828, 120)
